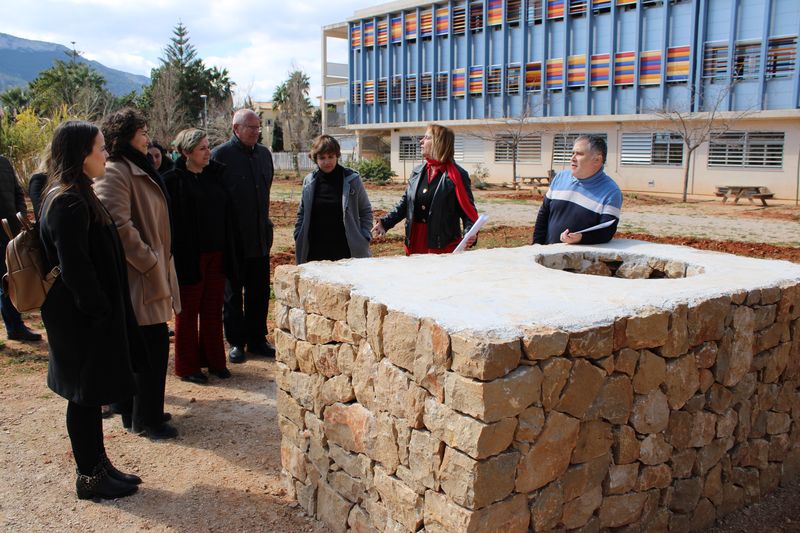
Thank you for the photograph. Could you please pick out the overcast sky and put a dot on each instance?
(258, 42)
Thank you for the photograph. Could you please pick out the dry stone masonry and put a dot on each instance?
(628, 385)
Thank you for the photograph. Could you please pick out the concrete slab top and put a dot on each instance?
(504, 290)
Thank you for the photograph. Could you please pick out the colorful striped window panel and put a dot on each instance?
(624, 67)
(355, 37)
(577, 7)
(411, 25)
(369, 34)
(397, 29)
(555, 73)
(600, 70)
(715, 60)
(534, 11)
(426, 22)
(459, 82)
(442, 20)
(411, 88)
(650, 67)
(494, 80)
(513, 11)
(513, 78)
(495, 12)
(678, 64)
(600, 4)
(626, 2)
(576, 71)
(383, 91)
(555, 9)
(476, 16)
(781, 53)
(459, 20)
(383, 32)
(442, 81)
(476, 80)
(356, 92)
(396, 92)
(369, 92)
(426, 86)
(533, 76)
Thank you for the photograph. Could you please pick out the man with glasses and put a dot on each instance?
(248, 179)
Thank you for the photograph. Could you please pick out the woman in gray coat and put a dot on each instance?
(335, 217)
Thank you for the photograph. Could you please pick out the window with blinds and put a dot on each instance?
(513, 78)
(467, 149)
(746, 60)
(426, 86)
(781, 54)
(715, 60)
(562, 145)
(409, 148)
(746, 149)
(494, 79)
(459, 19)
(476, 16)
(513, 11)
(529, 149)
(535, 11)
(651, 149)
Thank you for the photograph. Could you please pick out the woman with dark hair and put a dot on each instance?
(437, 201)
(203, 240)
(334, 216)
(159, 158)
(134, 193)
(93, 336)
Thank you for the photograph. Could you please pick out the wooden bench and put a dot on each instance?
(539, 180)
(737, 192)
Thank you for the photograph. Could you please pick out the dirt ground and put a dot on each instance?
(223, 472)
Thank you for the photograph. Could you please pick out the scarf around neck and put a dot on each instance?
(452, 172)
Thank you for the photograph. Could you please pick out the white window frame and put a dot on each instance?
(740, 149)
(529, 149)
(639, 148)
(468, 149)
(409, 149)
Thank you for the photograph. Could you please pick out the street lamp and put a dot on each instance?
(205, 110)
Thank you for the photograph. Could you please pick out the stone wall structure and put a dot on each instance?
(629, 385)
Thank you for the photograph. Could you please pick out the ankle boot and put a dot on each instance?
(115, 473)
(101, 485)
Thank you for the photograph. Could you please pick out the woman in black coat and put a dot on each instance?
(90, 324)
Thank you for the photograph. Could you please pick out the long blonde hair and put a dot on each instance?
(442, 143)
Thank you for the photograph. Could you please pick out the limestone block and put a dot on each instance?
(358, 466)
(293, 433)
(285, 285)
(307, 496)
(425, 457)
(365, 370)
(549, 457)
(706, 321)
(284, 347)
(682, 380)
(484, 358)
(654, 450)
(347, 486)
(344, 333)
(650, 373)
(476, 484)
(580, 478)
(626, 360)
(332, 508)
(432, 357)
(743, 412)
(349, 426)
(745, 388)
(338, 389)
(293, 460)
(315, 428)
(626, 445)
(398, 393)
(375, 316)
(288, 407)
(319, 329)
(710, 455)
(706, 354)
(726, 423)
(654, 477)
(764, 316)
(607, 364)
(779, 446)
(776, 363)
(531, 423)
(747, 478)
(648, 330)
(326, 299)
(593, 343)
(706, 378)
(491, 401)
(620, 333)
(650, 412)
(734, 363)
(682, 462)
(616, 511)
(443, 516)
(403, 439)
(677, 342)
(346, 359)
(614, 401)
(547, 507)
(687, 494)
(719, 398)
(325, 356)
(383, 445)
(297, 323)
(399, 338)
(357, 314)
(584, 383)
(621, 478)
(789, 304)
(778, 423)
(281, 316)
(304, 356)
(555, 373)
(318, 457)
(770, 295)
(704, 429)
(578, 512)
(712, 486)
(473, 437)
(304, 389)
(359, 522)
(543, 343)
(594, 440)
(403, 504)
(770, 337)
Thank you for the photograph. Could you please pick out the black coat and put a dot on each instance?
(12, 201)
(185, 216)
(445, 217)
(36, 184)
(94, 340)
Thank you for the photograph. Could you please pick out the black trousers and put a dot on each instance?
(85, 430)
(245, 317)
(147, 405)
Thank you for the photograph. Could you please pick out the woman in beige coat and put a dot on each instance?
(134, 194)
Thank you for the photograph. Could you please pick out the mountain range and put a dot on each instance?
(21, 60)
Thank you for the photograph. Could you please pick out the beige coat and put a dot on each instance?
(139, 209)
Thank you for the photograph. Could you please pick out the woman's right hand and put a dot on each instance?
(378, 230)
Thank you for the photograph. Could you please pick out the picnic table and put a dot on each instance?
(737, 192)
(539, 180)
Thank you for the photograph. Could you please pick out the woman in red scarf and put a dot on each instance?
(437, 202)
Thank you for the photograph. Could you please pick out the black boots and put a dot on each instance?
(101, 484)
(131, 479)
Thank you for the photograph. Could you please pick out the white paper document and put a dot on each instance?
(599, 226)
(476, 227)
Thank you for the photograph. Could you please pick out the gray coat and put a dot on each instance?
(355, 207)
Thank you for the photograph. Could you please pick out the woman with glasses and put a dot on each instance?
(134, 194)
(437, 201)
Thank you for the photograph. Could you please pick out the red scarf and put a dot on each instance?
(453, 173)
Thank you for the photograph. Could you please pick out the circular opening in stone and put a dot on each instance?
(619, 265)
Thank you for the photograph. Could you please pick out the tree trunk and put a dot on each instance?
(686, 174)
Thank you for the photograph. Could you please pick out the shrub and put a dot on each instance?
(375, 170)
(479, 176)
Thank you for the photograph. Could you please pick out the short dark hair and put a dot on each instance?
(324, 144)
(597, 144)
(119, 128)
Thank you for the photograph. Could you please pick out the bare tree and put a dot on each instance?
(166, 118)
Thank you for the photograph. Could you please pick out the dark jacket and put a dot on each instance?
(12, 201)
(248, 178)
(185, 214)
(36, 184)
(445, 217)
(91, 327)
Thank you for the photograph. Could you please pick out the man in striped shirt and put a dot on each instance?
(580, 198)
